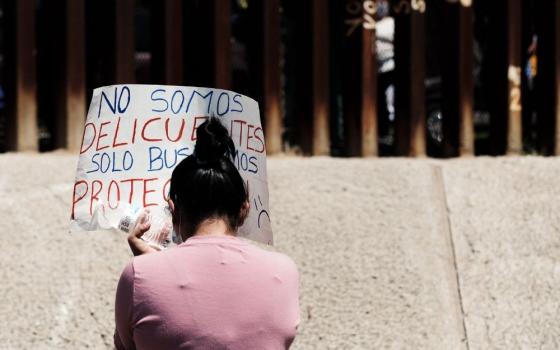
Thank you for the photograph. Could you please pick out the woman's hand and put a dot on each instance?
(136, 243)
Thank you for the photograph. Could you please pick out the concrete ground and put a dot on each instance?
(393, 253)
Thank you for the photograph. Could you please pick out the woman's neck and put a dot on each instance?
(213, 227)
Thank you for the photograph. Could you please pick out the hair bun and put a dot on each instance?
(212, 142)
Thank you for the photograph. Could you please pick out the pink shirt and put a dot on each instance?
(210, 292)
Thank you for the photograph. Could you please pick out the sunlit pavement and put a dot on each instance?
(393, 253)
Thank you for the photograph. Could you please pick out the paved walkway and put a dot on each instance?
(393, 253)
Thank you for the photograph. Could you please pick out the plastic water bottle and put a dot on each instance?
(125, 217)
(159, 235)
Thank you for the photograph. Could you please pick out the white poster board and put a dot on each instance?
(136, 134)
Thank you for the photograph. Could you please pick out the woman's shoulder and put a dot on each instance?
(275, 257)
(265, 256)
(147, 263)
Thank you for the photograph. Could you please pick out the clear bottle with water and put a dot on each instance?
(159, 235)
(125, 217)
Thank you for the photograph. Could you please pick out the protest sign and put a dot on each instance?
(136, 134)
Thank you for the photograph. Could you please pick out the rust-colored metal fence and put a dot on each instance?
(312, 65)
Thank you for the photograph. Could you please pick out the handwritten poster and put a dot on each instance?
(136, 134)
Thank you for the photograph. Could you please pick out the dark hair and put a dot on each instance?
(206, 184)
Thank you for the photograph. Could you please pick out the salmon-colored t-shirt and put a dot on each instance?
(210, 292)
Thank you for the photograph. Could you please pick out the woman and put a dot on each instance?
(213, 291)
